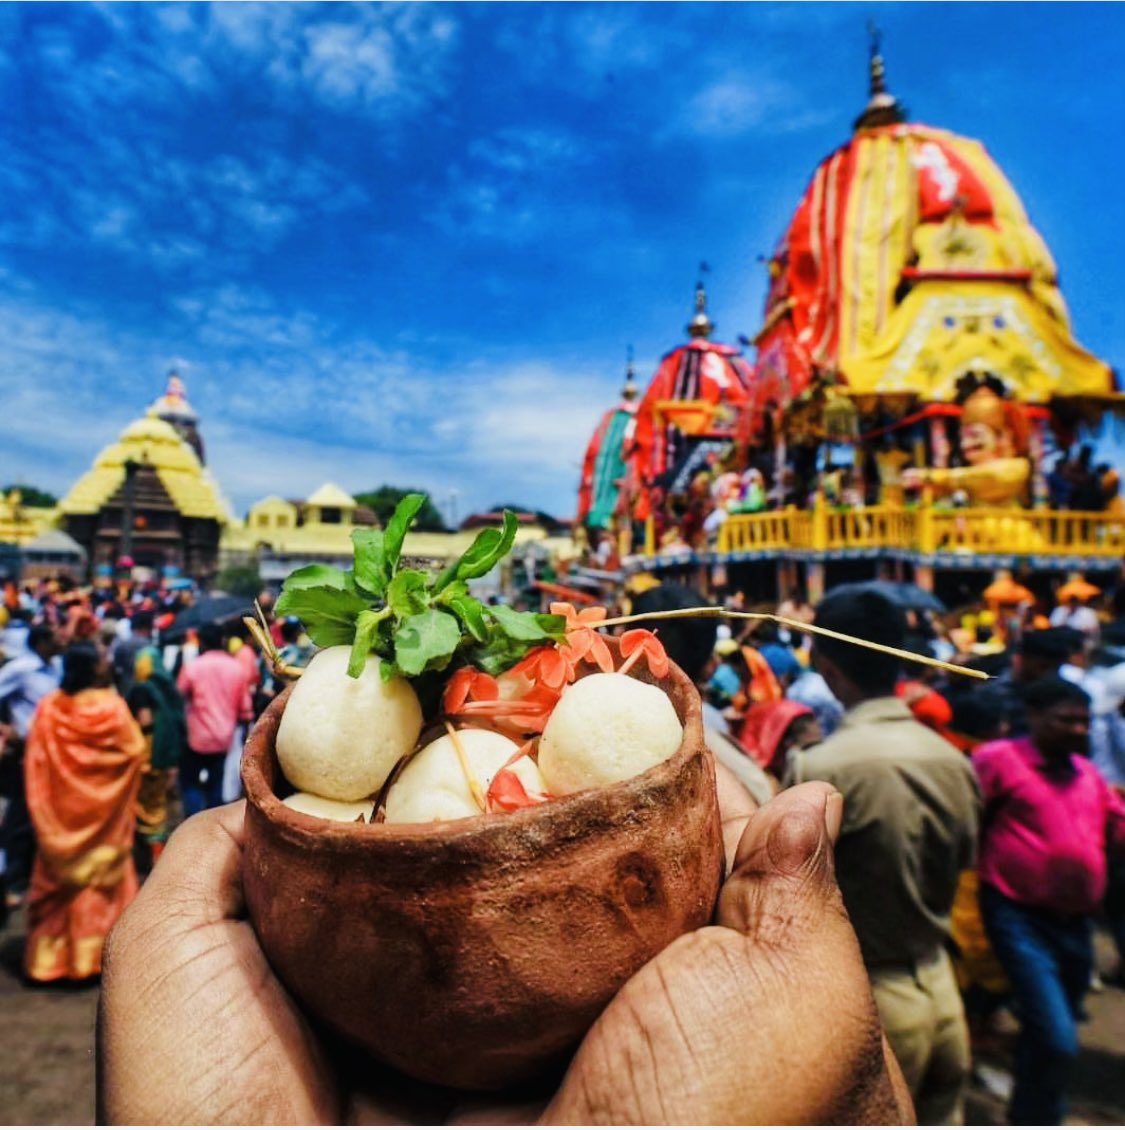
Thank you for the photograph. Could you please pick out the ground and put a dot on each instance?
(47, 1052)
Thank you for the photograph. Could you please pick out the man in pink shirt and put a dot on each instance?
(1049, 817)
(217, 696)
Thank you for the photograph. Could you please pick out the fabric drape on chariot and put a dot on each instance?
(84, 757)
(912, 208)
(700, 388)
(604, 468)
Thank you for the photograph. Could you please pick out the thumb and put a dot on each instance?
(783, 877)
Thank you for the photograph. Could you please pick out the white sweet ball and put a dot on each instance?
(340, 737)
(606, 728)
(346, 811)
(432, 786)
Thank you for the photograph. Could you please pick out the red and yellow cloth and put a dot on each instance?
(83, 764)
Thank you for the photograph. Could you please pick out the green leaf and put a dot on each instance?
(471, 613)
(366, 632)
(427, 640)
(527, 625)
(407, 594)
(396, 529)
(377, 551)
(371, 571)
(487, 549)
(329, 614)
(318, 576)
(499, 654)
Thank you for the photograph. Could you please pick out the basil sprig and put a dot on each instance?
(412, 621)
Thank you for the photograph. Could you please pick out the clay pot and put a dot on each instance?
(476, 953)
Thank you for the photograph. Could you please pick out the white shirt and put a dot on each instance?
(1081, 618)
(23, 682)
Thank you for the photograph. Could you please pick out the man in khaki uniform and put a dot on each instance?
(911, 813)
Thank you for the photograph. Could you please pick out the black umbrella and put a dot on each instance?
(907, 595)
(207, 610)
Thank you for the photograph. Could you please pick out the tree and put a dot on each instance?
(30, 496)
(384, 500)
(239, 580)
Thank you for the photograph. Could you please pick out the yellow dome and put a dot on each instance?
(152, 442)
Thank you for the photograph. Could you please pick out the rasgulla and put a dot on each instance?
(347, 811)
(606, 728)
(432, 785)
(340, 737)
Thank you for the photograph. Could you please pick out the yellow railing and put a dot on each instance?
(927, 530)
(773, 529)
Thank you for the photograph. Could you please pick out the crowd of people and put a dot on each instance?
(983, 832)
(980, 835)
(114, 725)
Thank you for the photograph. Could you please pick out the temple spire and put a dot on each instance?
(883, 108)
(701, 325)
(630, 391)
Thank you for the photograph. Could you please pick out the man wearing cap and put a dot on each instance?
(911, 812)
(724, 681)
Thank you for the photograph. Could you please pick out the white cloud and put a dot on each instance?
(283, 410)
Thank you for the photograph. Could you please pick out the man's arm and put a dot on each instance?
(11, 677)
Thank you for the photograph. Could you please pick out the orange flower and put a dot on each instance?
(517, 716)
(640, 642)
(507, 792)
(468, 682)
(583, 642)
(575, 619)
(545, 666)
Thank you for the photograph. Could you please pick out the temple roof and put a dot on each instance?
(155, 443)
(906, 225)
(330, 495)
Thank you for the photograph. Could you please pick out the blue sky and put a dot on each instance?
(410, 244)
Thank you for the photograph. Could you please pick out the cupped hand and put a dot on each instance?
(765, 1017)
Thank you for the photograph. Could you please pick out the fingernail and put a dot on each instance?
(834, 815)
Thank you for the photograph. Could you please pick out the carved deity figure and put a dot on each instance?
(994, 445)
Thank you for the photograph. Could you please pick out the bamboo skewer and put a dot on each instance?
(708, 612)
(474, 785)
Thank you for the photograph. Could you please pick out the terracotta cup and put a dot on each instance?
(476, 953)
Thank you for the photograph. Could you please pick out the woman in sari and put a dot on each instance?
(83, 765)
(159, 711)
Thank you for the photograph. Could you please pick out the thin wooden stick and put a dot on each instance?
(799, 625)
(260, 630)
(474, 785)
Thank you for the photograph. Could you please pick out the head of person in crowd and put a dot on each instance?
(84, 666)
(689, 642)
(1058, 717)
(771, 729)
(43, 640)
(854, 673)
(978, 716)
(142, 621)
(210, 638)
(1043, 652)
(290, 630)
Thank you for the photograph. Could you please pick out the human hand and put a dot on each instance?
(764, 1017)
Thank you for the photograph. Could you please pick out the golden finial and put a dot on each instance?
(701, 325)
(883, 108)
(630, 391)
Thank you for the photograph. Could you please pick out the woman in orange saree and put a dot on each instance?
(84, 758)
